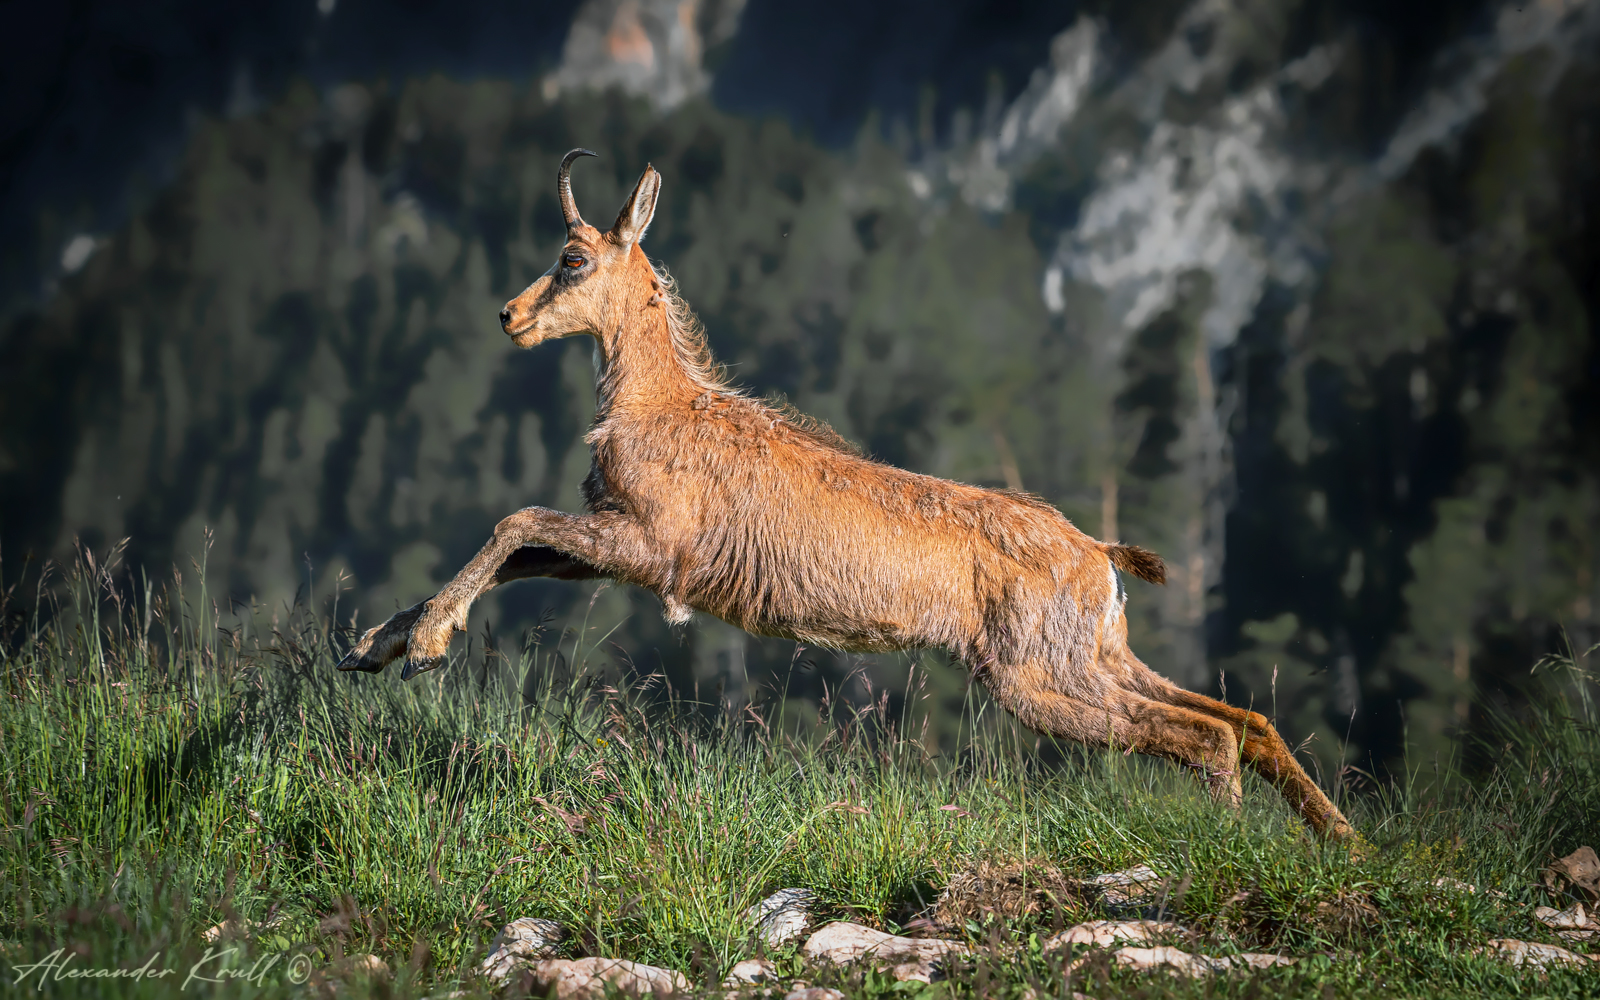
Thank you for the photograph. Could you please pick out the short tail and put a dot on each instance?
(1142, 563)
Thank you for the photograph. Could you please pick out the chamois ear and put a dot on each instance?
(639, 210)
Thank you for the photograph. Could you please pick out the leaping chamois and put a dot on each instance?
(721, 504)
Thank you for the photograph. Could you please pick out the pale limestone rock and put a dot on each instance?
(1573, 924)
(238, 927)
(1169, 959)
(333, 982)
(782, 916)
(594, 978)
(1180, 962)
(844, 943)
(1105, 933)
(751, 971)
(814, 993)
(369, 966)
(1126, 885)
(521, 942)
(226, 929)
(652, 48)
(1539, 956)
(1579, 870)
(1573, 918)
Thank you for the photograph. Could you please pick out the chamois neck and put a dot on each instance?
(638, 368)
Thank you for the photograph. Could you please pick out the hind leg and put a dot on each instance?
(1122, 719)
(1265, 752)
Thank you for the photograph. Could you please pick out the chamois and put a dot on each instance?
(768, 520)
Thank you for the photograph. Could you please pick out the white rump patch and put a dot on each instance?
(1119, 596)
(675, 611)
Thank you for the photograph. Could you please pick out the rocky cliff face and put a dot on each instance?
(650, 48)
(1216, 244)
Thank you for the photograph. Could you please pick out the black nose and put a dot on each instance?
(505, 316)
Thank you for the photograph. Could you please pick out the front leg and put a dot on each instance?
(608, 541)
(381, 645)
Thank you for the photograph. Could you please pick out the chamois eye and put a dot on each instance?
(572, 260)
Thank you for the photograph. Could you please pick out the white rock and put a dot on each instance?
(594, 978)
(1574, 918)
(1120, 887)
(226, 929)
(1540, 956)
(523, 941)
(844, 943)
(1105, 933)
(370, 966)
(751, 971)
(1128, 876)
(1170, 959)
(782, 916)
(1180, 962)
(238, 927)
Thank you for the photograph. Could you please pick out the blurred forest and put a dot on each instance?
(1210, 280)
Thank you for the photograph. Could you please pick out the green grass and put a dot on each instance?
(164, 773)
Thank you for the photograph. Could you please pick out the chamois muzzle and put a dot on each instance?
(569, 207)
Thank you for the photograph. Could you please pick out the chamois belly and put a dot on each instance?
(850, 633)
(857, 599)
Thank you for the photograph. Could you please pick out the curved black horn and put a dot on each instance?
(569, 208)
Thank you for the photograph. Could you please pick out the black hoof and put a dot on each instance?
(361, 663)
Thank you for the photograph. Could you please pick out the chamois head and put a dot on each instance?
(596, 276)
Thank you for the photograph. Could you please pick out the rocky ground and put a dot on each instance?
(524, 959)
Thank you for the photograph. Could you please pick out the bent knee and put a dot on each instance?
(513, 526)
(1227, 743)
(1217, 743)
